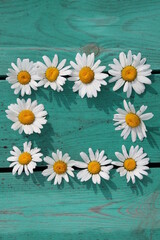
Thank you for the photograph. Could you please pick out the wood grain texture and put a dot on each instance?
(66, 27)
(35, 209)
(31, 208)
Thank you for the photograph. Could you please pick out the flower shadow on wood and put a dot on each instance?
(106, 100)
(139, 186)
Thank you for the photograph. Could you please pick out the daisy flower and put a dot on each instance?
(87, 75)
(23, 77)
(27, 116)
(59, 167)
(133, 164)
(131, 121)
(95, 166)
(52, 74)
(26, 160)
(130, 71)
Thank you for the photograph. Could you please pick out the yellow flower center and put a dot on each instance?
(132, 120)
(25, 158)
(23, 77)
(52, 74)
(94, 167)
(26, 117)
(60, 167)
(129, 73)
(129, 164)
(86, 75)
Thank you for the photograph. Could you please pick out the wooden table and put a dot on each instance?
(31, 207)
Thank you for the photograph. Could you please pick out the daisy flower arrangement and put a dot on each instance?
(131, 72)
(27, 116)
(23, 77)
(95, 167)
(132, 164)
(87, 75)
(53, 74)
(59, 167)
(26, 160)
(132, 122)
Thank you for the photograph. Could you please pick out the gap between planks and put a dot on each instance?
(41, 168)
(156, 71)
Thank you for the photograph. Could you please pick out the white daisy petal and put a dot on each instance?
(51, 176)
(66, 178)
(129, 57)
(47, 61)
(124, 151)
(84, 157)
(146, 116)
(122, 58)
(144, 79)
(61, 64)
(82, 173)
(118, 84)
(94, 179)
(91, 154)
(120, 156)
(120, 164)
(104, 175)
(55, 60)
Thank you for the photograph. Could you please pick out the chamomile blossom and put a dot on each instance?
(27, 116)
(52, 73)
(87, 75)
(23, 77)
(130, 121)
(132, 164)
(131, 72)
(26, 160)
(59, 167)
(96, 166)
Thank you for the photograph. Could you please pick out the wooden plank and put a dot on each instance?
(105, 54)
(75, 124)
(32, 208)
(106, 28)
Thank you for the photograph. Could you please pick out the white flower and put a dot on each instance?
(26, 160)
(95, 166)
(59, 167)
(130, 71)
(23, 77)
(133, 164)
(27, 116)
(87, 75)
(52, 74)
(131, 121)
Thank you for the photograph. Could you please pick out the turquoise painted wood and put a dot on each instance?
(36, 27)
(35, 209)
(31, 208)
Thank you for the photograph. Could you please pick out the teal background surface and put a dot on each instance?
(31, 207)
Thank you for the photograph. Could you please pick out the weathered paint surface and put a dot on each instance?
(31, 208)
